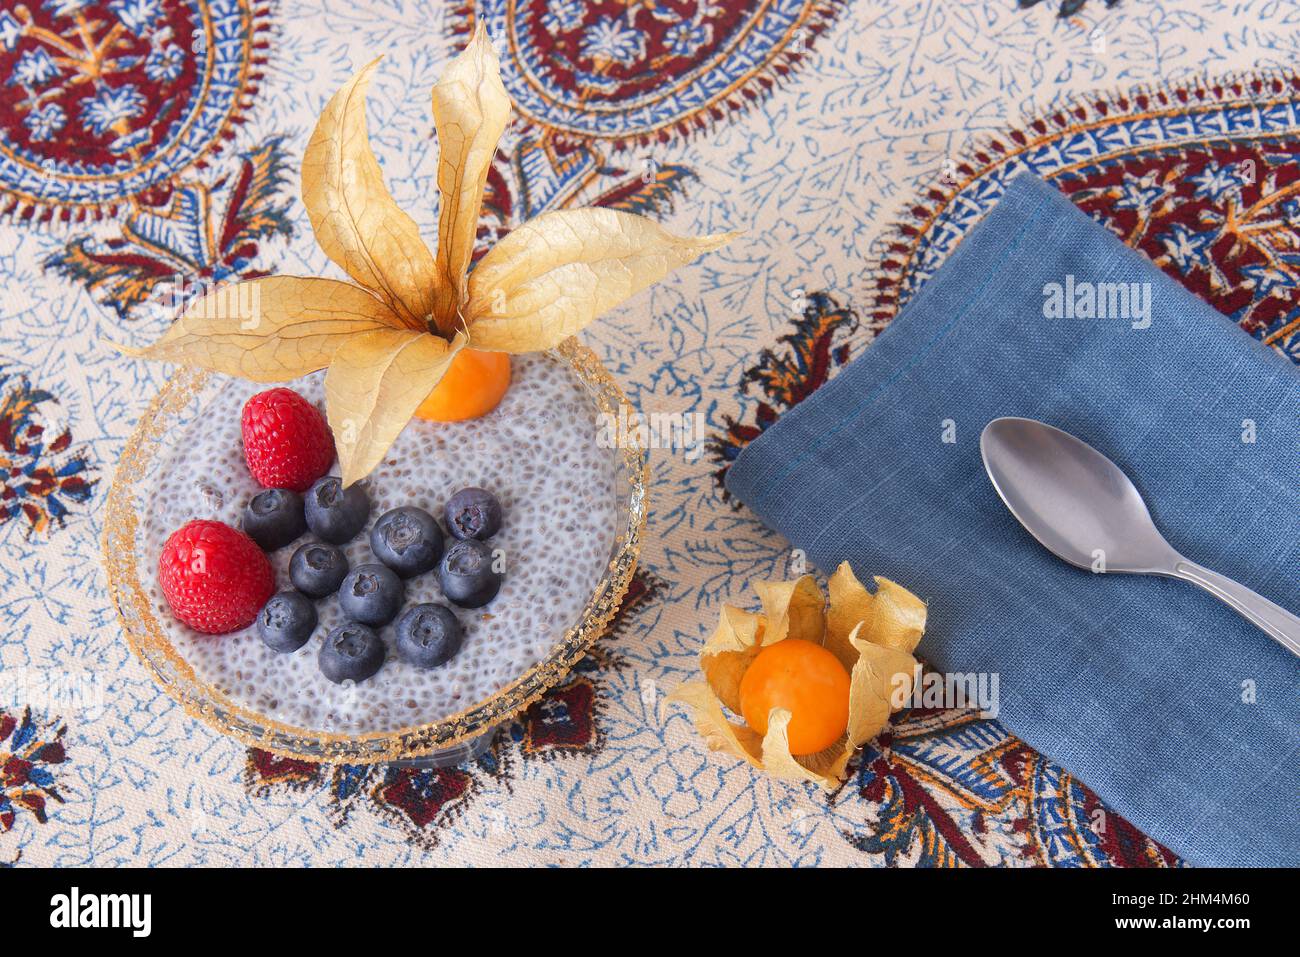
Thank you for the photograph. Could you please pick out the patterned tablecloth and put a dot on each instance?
(147, 144)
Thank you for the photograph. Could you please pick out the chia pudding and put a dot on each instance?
(537, 452)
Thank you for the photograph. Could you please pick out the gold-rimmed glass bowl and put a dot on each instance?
(124, 559)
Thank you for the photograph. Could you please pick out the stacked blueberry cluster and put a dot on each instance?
(407, 541)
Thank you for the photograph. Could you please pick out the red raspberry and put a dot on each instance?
(215, 578)
(286, 441)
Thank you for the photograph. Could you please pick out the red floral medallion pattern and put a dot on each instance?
(90, 83)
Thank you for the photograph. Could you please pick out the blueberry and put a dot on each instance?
(286, 621)
(316, 569)
(334, 513)
(467, 576)
(428, 635)
(371, 594)
(473, 513)
(407, 540)
(350, 651)
(274, 518)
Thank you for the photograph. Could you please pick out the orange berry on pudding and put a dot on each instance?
(473, 385)
(804, 679)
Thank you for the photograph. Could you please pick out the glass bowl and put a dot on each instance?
(456, 734)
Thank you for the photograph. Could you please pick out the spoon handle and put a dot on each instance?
(1275, 621)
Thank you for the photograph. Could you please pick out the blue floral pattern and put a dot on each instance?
(111, 106)
(815, 128)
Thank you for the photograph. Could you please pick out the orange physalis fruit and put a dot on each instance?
(804, 679)
(472, 386)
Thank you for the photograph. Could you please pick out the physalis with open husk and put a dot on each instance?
(869, 636)
(391, 335)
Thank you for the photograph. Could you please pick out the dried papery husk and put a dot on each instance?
(357, 222)
(272, 329)
(552, 276)
(871, 634)
(881, 679)
(793, 609)
(893, 616)
(388, 340)
(737, 640)
(374, 387)
(470, 112)
(824, 768)
(719, 733)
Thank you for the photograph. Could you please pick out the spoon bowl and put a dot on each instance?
(1074, 500)
(1083, 508)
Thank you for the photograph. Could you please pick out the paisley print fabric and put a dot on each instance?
(148, 148)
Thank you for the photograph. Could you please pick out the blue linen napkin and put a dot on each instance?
(1180, 715)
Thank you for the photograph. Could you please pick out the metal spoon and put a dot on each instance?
(1082, 508)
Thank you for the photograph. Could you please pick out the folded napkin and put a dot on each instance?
(1179, 714)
